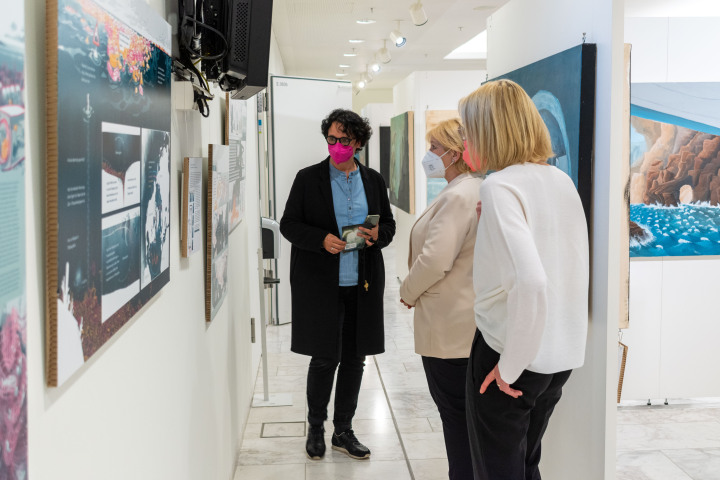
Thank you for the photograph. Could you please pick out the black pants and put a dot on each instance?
(349, 375)
(446, 379)
(506, 433)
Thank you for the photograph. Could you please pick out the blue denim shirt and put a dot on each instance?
(351, 208)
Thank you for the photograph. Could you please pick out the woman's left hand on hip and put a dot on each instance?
(504, 387)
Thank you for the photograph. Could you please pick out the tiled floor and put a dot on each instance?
(396, 418)
(680, 441)
(398, 421)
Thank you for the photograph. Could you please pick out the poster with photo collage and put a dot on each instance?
(108, 201)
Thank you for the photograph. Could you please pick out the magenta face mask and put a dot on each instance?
(340, 153)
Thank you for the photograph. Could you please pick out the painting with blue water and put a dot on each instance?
(562, 87)
(674, 186)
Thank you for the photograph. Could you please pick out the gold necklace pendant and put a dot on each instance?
(366, 285)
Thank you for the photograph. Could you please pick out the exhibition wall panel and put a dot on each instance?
(379, 115)
(642, 369)
(297, 107)
(673, 331)
(419, 92)
(581, 435)
(674, 49)
(168, 396)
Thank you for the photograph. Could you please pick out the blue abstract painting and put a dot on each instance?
(674, 186)
(562, 87)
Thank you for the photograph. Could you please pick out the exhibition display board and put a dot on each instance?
(432, 119)
(13, 288)
(108, 172)
(219, 207)
(236, 138)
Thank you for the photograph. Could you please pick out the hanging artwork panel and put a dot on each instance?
(219, 208)
(236, 138)
(402, 171)
(562, 87)
(385, 154)
(108, 172)
(674, 186)
(432, 119)
(13, 290)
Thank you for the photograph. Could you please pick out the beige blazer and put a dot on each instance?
(440, 284)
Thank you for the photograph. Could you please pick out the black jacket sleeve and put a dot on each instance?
(292, 223)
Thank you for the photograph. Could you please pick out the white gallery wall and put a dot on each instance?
(168, 396)
(421, 91)
(378, 114)
(366, 96)
(674, 49)
(672, 347)
(580, 442)
(297, 108)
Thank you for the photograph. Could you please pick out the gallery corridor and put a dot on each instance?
(399, 422)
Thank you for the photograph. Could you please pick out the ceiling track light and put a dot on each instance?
(375, 67)
(368, 75)
(366, 20)
(361, 84)
(397, 37)
(418, 15)
(383, 54)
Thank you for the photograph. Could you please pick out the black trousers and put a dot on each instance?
(506, 433)
(446, 379)
(349, 376)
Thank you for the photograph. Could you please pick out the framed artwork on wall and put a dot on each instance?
(402, 159)
(624, 314)
(236, 139)
(191, 229)
(218, 228)
(108, 172)
(13, 292)
(562, 87)
(432, 119)
(622, 361)
(362, 156)
(385, 154)
(674, 186)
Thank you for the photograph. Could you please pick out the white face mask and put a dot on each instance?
(433, 165)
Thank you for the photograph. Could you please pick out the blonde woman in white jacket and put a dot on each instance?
(439, 286)
(531, 274)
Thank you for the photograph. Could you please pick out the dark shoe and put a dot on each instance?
(315, 445)
(348, 443)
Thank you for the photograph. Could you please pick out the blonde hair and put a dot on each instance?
(447, 134)
(503, 127)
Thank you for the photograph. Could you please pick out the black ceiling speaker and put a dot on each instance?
(248, 37)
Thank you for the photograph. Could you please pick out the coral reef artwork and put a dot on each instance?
(13, 291)
(674, 189)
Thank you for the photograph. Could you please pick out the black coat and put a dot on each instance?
(315, 274)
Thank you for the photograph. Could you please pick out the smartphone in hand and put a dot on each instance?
(371, 221)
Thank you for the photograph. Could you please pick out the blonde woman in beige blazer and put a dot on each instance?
(439, 286)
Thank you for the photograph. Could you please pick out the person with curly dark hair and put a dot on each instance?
(337, 292)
